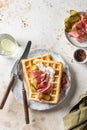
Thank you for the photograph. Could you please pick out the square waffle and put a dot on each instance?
(56, 83)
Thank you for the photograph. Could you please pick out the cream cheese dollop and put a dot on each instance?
(48, 70)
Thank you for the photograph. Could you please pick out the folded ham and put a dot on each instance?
(79, 29)
(43, 80)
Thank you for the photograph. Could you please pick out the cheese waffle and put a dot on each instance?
(56, 83)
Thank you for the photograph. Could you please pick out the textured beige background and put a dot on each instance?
(40, 21)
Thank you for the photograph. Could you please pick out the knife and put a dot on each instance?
(14, 74)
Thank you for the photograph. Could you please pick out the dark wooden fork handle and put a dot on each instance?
(4, 98)
(25, 106)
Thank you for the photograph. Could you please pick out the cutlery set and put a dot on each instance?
(17, 72)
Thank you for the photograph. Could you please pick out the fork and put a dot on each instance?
(25, 103)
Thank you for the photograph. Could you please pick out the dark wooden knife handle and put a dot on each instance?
(4, 98)
(25, 106)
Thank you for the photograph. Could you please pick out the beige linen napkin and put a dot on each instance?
(76, 119)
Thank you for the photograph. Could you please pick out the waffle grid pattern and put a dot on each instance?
(46, 61)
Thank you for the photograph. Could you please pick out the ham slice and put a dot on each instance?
(35, 74)
(79, 30)
(44, 86)
(42, 78)
(84, 16)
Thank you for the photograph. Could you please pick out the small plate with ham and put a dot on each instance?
(65, 82)
(77, 33)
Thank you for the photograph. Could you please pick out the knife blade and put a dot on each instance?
(24, 55)
(14, 74)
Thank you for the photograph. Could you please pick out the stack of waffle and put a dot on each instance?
(56, 82)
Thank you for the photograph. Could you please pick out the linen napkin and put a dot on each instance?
(76, 119)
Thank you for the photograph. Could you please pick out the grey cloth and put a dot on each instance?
(76, 119)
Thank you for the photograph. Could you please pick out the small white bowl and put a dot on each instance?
(80, 55)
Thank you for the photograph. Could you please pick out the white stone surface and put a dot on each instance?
(42, 22)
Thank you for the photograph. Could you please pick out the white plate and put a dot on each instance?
(17, 89)
(73, 40)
